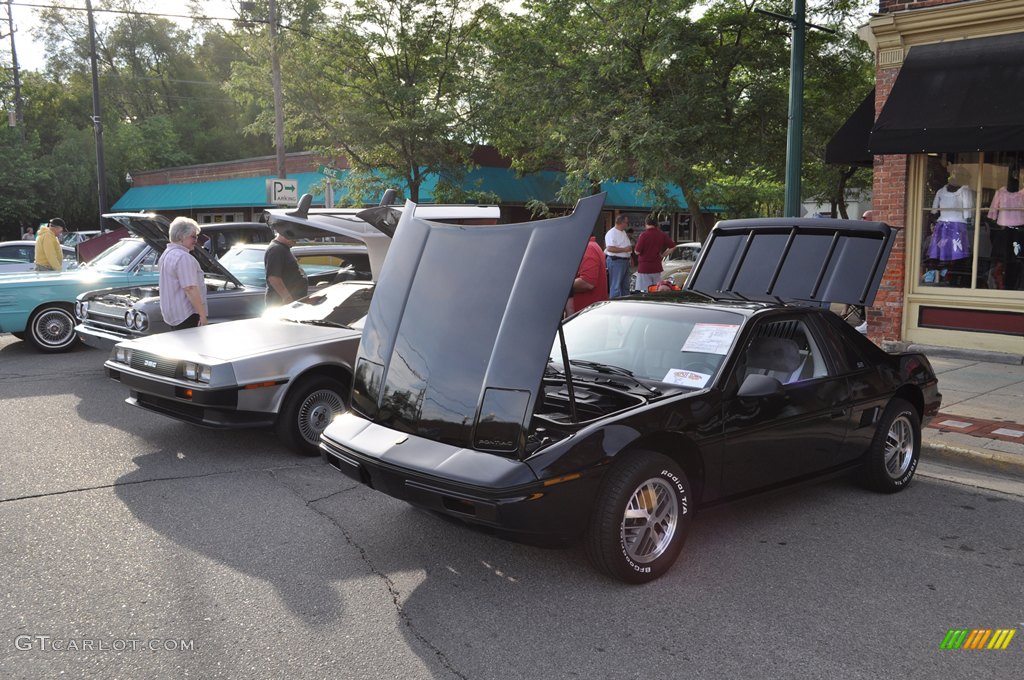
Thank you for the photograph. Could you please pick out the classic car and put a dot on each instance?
(290, 369)
(20, 256)
(471, 397)
(40, 306)
(236, 286)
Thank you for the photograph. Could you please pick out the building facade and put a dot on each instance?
(948, 145)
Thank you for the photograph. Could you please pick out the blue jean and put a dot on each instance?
(618, 276)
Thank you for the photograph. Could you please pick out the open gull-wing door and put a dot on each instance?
(372, 226)
(461, 324)
(153, 230)
(811, 260)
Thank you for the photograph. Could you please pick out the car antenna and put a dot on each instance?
(302, 209)
(568, 375)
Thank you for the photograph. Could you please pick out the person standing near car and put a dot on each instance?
(650, 249)
(591, 283)
(617, 248)
(286, 281)
(49, 256)
(182, 286)
(28, 234)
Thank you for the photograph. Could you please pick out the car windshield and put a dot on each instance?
(120, 256)
(246, 264)
(680, 344)
(343, 304)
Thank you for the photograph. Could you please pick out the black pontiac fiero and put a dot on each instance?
(472, 398)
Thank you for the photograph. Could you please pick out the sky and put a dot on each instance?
(32, 54)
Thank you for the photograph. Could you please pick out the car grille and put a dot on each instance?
(106, 317)
(151, 363)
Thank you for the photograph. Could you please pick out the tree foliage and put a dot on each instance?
(674, 93)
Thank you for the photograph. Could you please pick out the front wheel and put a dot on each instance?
(891, 461)
(641, 518)
(308, 409)
(52, 328)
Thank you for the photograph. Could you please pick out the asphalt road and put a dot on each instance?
(133, 546)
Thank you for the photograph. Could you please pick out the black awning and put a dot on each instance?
(964, 95)
(849, 146)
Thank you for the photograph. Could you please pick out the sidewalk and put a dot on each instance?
(981, 421)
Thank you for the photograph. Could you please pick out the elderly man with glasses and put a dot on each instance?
(182, 287)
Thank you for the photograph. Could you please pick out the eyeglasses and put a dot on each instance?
(193, 236)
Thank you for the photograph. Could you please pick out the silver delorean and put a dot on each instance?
(292, 367)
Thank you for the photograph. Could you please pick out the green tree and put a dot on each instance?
(391, 85)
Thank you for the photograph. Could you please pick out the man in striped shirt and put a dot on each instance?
(182, 286)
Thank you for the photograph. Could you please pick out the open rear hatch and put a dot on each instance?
(807, 260)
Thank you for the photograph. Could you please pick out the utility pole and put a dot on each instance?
(96, 121)
(19, 115)
(275, 74)
(795, 131)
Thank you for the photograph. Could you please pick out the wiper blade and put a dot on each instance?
(602, 368)
(320, 322)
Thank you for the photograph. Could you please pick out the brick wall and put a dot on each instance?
(890, 193)
(887, 6)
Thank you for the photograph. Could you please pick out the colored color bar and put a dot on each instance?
(954, 638)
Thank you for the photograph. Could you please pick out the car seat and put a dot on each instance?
(779, 358)
(662, 349)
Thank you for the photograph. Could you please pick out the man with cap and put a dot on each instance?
(49, 256)
(285, 279)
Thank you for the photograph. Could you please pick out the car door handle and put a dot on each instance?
(841, 413)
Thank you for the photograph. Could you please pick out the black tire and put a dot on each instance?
(891, 461)
(309, 407)
(52, 328)
(635, 550)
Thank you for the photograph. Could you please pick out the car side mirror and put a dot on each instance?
(756, 385)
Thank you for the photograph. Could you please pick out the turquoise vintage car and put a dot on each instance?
(40, 306)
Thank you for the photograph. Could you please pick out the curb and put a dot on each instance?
(968, 354)
(991, 461)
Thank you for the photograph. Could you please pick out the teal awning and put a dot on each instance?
(250, 192)
(245, 192)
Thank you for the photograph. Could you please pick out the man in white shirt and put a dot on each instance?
(617, 248)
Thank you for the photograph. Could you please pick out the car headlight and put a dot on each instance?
(123, 355)
(129, 319)
(82, 310)
(197, 372)
(141, 321)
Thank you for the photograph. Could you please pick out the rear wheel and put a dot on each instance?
(308, 409)
(52, 328)
(890, 463)
(641, 518)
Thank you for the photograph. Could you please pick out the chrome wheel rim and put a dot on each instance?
(650, 521)
(899, 447)
(316, 413)
(54, 328)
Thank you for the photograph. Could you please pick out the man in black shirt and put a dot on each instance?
(285, 279)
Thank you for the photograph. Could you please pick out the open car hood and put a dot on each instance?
(153, 230)
(461, 325)
(815, 260)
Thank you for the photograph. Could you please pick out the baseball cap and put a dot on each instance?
(57, 222)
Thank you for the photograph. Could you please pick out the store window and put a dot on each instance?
(973, 223)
